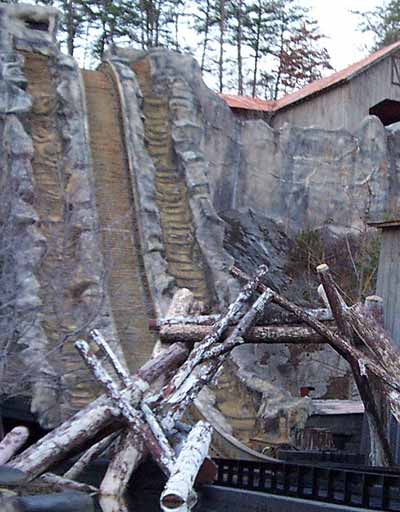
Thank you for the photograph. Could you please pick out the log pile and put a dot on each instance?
(141, 415)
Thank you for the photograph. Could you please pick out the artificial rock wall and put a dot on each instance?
(301, 177)
(114, 183)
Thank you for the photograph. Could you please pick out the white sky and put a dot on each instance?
(344, 43)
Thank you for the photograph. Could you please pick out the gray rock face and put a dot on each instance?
(180, 74)
(73, 288)
(301, 177)
(32, 27)
(253, 240)
(23, 247)
(307, 177)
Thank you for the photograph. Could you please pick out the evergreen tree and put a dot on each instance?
(383, 23)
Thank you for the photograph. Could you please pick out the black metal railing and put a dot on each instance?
(357, 488)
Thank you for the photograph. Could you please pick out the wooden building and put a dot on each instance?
(341, 100)
(387, 287)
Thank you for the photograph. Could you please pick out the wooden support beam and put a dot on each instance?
(289, 333)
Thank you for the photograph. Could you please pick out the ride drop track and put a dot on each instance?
(129, 298)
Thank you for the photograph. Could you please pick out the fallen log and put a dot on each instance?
(289, 333)
(91, 454)
(178, 491)
(94, 418)
(157, 444)
(130, 453)
(12, 442)
(281, 317)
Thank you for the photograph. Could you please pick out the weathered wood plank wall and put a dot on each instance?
(388, 287)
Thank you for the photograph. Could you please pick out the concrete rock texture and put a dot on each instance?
(242, 187)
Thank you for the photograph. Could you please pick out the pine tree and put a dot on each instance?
(237, 22)
(260, 25)
(383, 23)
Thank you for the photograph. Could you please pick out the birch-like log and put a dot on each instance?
(12, 442)
(178, 491)
(126, 459)
(91, 454)
(161, 452)
(218, 331)
(94, 418)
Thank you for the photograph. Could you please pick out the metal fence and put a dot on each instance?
(373, 488)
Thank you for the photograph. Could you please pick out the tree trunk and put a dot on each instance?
(239, 11)
(221, 44)
(205, 40)
(256, 52)
(292, 334)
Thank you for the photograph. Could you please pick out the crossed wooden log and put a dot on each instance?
(140, 415)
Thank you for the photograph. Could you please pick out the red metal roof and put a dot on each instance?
(313, 88)
(248, 103)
